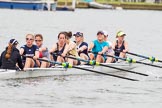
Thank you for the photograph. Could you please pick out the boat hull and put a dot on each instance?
(41, 72)
(27, 5)
(99, 6)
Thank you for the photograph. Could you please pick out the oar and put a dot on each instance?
(130, 60)
(67, 65)
(152, 59)
(92, 62)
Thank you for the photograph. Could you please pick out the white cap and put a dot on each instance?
(105, 33)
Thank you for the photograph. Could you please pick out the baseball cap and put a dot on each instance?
(120, 33)
(100, 32)
(105, 33)
(78, 34)
(13, 41)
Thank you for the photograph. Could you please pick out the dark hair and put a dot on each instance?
(39, 35)
(68, 35)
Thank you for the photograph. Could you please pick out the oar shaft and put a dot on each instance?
(149, 64)
(94, 71)
(138, 55)
(146, 57)
(123, 69)
(125, 59)
(89, 70)
(108, 66)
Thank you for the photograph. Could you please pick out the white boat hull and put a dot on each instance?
(41, 72)
(99, 6)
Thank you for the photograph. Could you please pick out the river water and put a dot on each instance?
(144, 35)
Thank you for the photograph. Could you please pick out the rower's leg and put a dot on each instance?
(44, 64)
(29, 63)
(91, 56)
(122, 55)
(70, 61)
(100, 59)
(85, 57)
(110, 59)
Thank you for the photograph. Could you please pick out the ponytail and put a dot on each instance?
(9, 50)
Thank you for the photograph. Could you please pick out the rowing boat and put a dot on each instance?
(59, 70)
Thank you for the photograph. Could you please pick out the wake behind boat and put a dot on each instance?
(59, 70)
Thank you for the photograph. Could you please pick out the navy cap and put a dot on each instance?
(13, 41)
(78, 34)
(100, 32)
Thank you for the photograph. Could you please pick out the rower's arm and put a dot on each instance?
(113, 45)
(72, 45)
(21, 51)
(65, 50)
(0, 60)
(82, 48)
(104, 49)
(91, 46)
(53, 48)
(36, 56)
(43, 49)
(126, 47)
(20, 64)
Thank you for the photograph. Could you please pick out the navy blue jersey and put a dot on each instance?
(84, 51)
(119, 49)
(29, 51)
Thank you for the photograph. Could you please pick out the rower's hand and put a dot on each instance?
(79, 50)
(63, 54)
(35, 57)
(124, 51)
(100, 52)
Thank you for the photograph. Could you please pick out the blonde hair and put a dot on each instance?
(30, 35)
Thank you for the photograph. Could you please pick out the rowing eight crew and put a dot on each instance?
(12, 58)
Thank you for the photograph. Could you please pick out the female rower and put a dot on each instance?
(10, 57)
(43, 51)
(30, 50)
(98, 47)
(120, 46)
(82, 47)
(71, 50)
(110, 49)
(59, 48)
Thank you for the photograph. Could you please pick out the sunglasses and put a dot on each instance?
(77, 36)
(29, 39)
(38, 40)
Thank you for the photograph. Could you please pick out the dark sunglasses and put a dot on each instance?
(38, 40)
(77, 36)
(29, 39)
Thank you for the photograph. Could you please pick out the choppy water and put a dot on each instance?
(143, 29)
